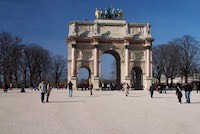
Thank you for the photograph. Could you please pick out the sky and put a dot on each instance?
(45, 22)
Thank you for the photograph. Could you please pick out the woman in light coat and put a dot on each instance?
(126, 88)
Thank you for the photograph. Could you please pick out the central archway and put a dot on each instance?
(136, 78)
(116, 65)
(83, 78)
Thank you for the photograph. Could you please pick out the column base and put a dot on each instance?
(148, 83)
(74, 82)
(96, 83)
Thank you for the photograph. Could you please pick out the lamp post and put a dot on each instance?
(24, 71)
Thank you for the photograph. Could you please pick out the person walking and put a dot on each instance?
(70, 88)
(188, 89)
(5, 87)
(91, 87)
(48, 92)
(42, 88)
(126, 89)
(179, 93)
(151, 90)
(166, 88)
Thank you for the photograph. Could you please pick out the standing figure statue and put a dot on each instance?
(120, 14)
(106, 14)
(101, 13)
(109, 13)
(113, 14)
(97, 13)
(148, 28)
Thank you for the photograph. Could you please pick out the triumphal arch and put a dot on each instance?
(130, 43)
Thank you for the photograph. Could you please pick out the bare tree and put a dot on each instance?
(170, 58)
(58, 68)
(5, 45)
(15, 61)
(37, 62)
(9, 57)
(188, 54)
(174, 61)
(157, 62)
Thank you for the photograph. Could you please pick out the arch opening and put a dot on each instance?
(136, 78)
(84, 78)
(110, 70)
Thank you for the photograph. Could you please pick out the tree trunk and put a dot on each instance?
(171, 82)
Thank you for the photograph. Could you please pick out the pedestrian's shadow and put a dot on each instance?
(161, 97)
(194, 102)
(66, 101)
(136, 95)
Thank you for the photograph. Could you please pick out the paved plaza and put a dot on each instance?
(106, 112)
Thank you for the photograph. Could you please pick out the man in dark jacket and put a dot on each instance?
(70, 88)
(179, 93)
(151, 90)
(188, 89)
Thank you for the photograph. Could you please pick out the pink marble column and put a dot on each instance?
(126, 60)
(95, 60)
(148, 70)
(73, 61)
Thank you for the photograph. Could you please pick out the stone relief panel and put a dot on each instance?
(72, 29)
(79, 54)
(87, 54)
(111, 32)
(136, 32)
(137, 55)
(85, 31)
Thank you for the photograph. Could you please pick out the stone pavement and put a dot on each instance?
(106, 112)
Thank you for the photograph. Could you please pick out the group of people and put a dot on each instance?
(45, 88)
(70, 87)
(6, 87)
(186, 87)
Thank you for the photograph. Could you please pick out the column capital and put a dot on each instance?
(95, 41)
(147, 47)
(96, 45)
(126, 46)
(73, 45)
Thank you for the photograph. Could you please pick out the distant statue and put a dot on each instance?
(120, 14)
(72, 29)
(148, 28)
(101, 13)
(108, 13)
(97, 13)
(113, 14)
(126, 29)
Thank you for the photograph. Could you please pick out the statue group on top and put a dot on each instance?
(109, 13)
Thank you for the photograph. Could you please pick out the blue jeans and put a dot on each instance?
(187, 96)
(70, 93)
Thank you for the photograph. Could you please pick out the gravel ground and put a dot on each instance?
(106, 112)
